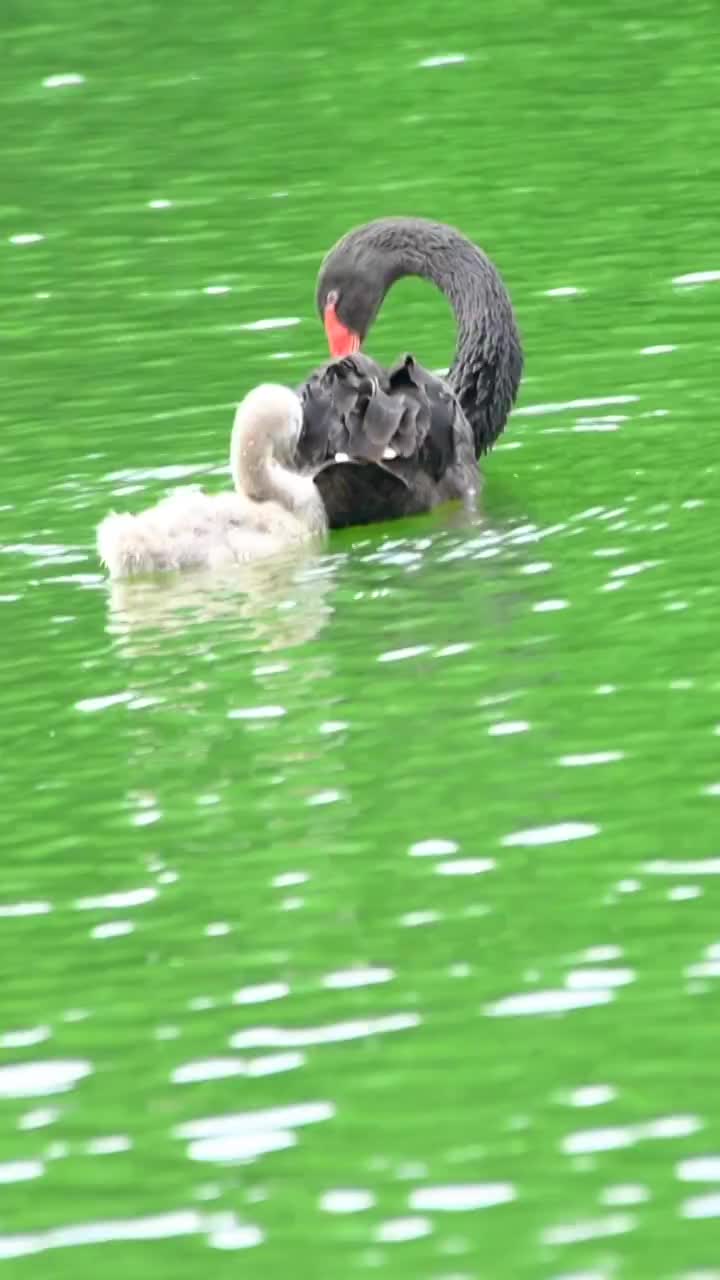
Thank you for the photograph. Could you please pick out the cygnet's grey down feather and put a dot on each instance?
(272, 509)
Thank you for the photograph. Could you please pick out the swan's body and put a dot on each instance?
(272, 509)
(388, 443)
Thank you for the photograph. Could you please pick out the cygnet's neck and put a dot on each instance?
(266, 429)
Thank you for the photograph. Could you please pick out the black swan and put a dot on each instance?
(385, 443)
(272, 509)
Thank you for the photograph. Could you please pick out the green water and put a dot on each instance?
(361, 917)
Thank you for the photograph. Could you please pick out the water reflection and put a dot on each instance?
(223, 1230)
(283, 602)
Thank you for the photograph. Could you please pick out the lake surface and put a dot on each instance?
(361, 917)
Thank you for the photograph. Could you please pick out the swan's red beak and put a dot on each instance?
(341, 340)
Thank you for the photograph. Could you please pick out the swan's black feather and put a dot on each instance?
(355, 407)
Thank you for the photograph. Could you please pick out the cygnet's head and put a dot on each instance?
(268, 421)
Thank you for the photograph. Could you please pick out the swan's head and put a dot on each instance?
(352, 283)
(269, 421)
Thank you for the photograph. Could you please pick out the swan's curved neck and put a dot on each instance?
(486, 369)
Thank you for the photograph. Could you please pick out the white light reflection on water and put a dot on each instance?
(399, 655)
(463, 1197)
(345, 979)
(443, 60)
(503, 728)
(580, 759)
(551, 835)
(162, 1226)
(398, 1230)
(102, 704)
(247, 1135)
(432, 848)
(550, 606)
(593, 1229)
(223, 1068)
(279, 322)
(707, 1206)
(465, 866)
(684, 892)
(594, 979)
(616, 1137)
(331, 796)
(290, 878)
(416, 919)
(114, 929)
(533, 410)
(109, 901)
(697, 277)
(112, 1145)
(583, 1275)
(261, 993)
(333, 1033)
(257, 713)
(699, 1169)
(234, 1148)
(591, 1095)
(8, 909)
(692, 867)
(625, 1193)
(545, 1002)
(601, 954)
(346, 1200)
(23, 1039)
(63, 80)
(240, 1123)
(34, 1079)
(229, 1235)
(21, 1170)
(39, 1118)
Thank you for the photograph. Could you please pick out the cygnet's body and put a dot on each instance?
(272, 509)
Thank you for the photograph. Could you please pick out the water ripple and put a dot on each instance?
(459, 1198)
(21, 1170)
(159, 1227)
(34, 1079)
(593, 1229)
(242, 1123)
(614, 1137)
(240, 1147)
(545, 1002)
(556, 834)
(699, 1169)
(346, 1200)
(399, 1230)
(334, 1033)
(345, 979)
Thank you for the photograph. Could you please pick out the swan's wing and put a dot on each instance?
(356, 408)
(402, 439)
(333, 400)
(323, 432)
(434, 425)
